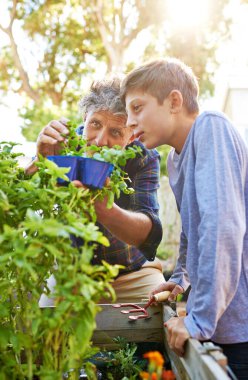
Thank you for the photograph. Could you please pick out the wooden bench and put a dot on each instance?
(200, 362)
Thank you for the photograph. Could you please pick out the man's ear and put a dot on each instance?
(176, 101)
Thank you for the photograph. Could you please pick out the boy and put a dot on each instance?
(208, 172)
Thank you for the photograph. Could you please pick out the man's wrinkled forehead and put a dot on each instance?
(106, 115)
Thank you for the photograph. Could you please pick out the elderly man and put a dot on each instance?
(132, 225)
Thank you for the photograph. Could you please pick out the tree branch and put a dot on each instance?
(13, 13)
(25, 86)
(23, 74)
(104, 31)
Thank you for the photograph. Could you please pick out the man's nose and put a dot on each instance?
(101, 138)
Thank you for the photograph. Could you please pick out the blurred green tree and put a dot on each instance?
(52, 49)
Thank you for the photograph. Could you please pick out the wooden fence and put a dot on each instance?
(200, 362)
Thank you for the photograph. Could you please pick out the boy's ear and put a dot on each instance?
(176, 101)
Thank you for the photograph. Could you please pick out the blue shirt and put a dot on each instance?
(144, 174)
(209, 179)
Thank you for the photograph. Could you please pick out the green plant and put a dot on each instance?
(37, 221)
(122, 364)
(77, 146)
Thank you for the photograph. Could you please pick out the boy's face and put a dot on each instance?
(150, 121)
(103, 128)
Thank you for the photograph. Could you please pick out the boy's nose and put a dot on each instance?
(131, 122)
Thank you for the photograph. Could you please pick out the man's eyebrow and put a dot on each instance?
(118, 127)
(95, 118)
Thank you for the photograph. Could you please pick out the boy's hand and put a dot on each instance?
(177, 334)
(171, 286)
(49, 139)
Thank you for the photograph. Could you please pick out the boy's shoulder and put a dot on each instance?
(211, 114)
(216, 121)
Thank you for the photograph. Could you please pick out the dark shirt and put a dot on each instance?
(144, 174)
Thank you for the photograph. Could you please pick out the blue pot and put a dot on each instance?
(66, 162)
(93, 173)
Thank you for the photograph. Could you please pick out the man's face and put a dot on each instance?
(150, 121)
(103, 128)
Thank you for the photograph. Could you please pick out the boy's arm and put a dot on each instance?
(219, 181)
(180, 275)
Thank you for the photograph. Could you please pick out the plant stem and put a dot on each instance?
(30, 364)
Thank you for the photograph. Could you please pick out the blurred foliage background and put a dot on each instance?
(52, 49)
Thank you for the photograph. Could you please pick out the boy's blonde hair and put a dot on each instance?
(158, 78)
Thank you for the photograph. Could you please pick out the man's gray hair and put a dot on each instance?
(104, 95)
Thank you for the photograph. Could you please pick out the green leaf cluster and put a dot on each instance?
(75, 145)
(37, 221)
(123, 363)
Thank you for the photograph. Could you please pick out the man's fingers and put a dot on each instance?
(44, 139)
(64, 120)
(51, 132)
(107, 182)
(78, 184)
(58, 126)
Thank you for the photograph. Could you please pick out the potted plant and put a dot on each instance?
(91, 164)
(37, 220)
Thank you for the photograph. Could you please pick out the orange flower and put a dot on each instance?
(155, 357)
(144, 375)
(154, 376)
(168, 375)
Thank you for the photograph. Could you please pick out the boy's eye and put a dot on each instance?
(136, 107)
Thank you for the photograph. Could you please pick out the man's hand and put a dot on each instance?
(171, 286)
(177, 334)
(48, 142)
(102, 211)
(49, 139)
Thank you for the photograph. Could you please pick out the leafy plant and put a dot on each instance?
(37, 222)
(75, 145)
(122, 364)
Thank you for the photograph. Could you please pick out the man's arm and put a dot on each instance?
(131, 227)
(140, 224)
